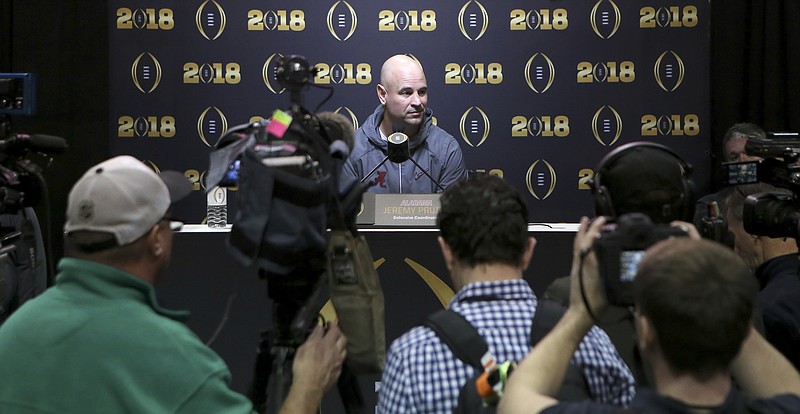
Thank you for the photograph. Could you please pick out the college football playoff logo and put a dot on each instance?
(473, 20)
(269, 74)
(211, 125)
(342, 20)
(607, 125)
(541, 179)
(146, 72)
(349, 114)
(474, 126)
(669, 71)
(539, 73)
(210, 19)
(605, 18)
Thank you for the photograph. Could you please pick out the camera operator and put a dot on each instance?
(775, 263)
(710, 210)
(98, 341)
(652, 181)
(693, 301)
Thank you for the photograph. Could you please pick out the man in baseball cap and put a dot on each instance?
(98, 341)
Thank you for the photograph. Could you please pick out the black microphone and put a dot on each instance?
(339, 132)
(398, 150)
(20, 143)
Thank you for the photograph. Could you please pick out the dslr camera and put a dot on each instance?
(621, 247)
(771, 214)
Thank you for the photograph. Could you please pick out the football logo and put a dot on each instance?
(211, 125)
(541, 179)
(342, 20)
(606, 125)
(669, 71)
(473, 20)
(349, 114)
(210, 19)
(474, 126)
(539, 73)
(146, 72)
(269, 74)
(605, 18)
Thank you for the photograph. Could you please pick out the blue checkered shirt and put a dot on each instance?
(423, 376)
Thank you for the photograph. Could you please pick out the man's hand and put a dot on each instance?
(585, 270)
(317, 366)
(689, 228)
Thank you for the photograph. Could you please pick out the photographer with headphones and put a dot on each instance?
(691, 301)
(645, 178)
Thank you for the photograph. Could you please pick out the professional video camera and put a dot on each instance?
(23, 259)
(286, 169)
(621, 247)
(771, 214)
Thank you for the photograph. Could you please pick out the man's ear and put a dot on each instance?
(155, 240)
(530, 244)
(645, 333)
(381, 93)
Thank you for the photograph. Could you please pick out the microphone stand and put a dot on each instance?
(399, 156)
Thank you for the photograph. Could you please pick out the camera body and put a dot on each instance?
(621, 247)
(771, 214)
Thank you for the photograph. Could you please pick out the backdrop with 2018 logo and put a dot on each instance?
(535, 91)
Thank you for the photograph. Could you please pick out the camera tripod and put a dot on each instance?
(296, 305)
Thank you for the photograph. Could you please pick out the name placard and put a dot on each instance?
(399, 209)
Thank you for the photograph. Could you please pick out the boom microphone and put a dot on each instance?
(20, 143)
(337, 127)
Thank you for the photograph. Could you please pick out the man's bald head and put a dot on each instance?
(403, 92)
(398, 64)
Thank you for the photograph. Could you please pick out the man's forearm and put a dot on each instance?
(534, 384)
(301, 399)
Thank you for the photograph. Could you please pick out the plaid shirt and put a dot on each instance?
(423, 376)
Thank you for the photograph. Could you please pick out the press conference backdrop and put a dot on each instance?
(536, 91)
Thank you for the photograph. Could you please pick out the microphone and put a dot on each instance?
(398, 150)
(20, 143)
(336, 127)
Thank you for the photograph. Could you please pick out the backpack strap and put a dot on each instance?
(461, 337)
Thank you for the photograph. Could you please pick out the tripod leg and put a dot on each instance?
(263, 368)
(350, 391)
(281, 379)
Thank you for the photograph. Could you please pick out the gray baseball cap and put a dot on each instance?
(123, 198)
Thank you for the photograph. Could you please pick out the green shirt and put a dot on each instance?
(98, 342)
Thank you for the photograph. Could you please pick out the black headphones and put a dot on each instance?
(603, 204)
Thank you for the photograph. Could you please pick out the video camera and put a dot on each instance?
(286, 169)
(621, 247)
(771, 214)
